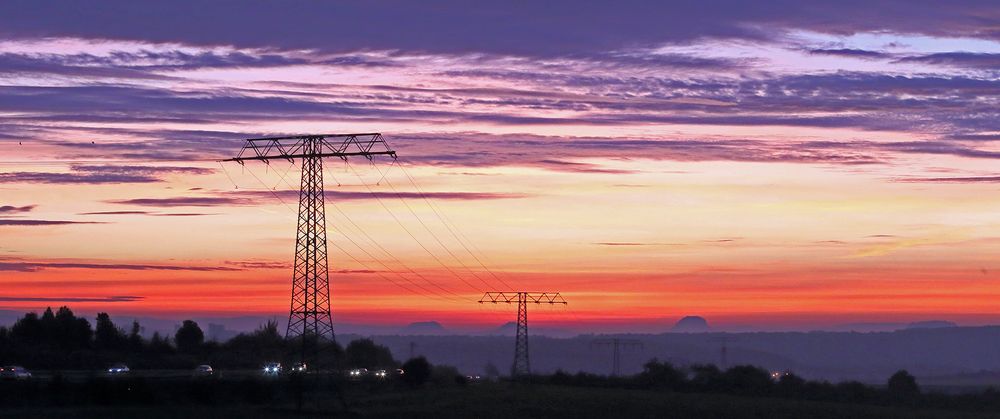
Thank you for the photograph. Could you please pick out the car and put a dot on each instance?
(357, 373)
(381, 374)
(272, 368)
(118, 369)
(14, 372)
(299, 367)
(203, 371)
(778, 375)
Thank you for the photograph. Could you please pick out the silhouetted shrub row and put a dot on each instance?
(745, 380)
(62, 341)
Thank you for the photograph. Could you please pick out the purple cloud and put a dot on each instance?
(156, 65)
(576, 167)
(260, 197)
(102, 174)
(10, 209)
(259, 264)
(849, 52)
(531, 29)
(185, 201)
(962, 179)
(112, 299)
(26, 222)
(27, 266)
(152, 214)
(985, 61)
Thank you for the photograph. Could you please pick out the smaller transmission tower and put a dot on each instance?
(522, 363)
(724, 350)
(617, 344)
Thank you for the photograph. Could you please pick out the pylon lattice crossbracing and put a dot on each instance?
(310, 309)
(309, 317)
(522, 359)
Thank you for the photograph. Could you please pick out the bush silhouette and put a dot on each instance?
(661, 375)
(364, 353)
(189, 337)
(416, 371)
(902, 385)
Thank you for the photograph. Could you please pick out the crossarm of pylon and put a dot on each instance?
(366, 145)
(509, 297)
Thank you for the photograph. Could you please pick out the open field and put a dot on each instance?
(486, 400)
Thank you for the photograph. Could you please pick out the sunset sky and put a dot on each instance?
(785, 164)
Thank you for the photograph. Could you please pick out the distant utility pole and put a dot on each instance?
(522, 363)
(616, 344)
(309, 317)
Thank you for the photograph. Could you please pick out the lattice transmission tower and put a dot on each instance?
(724, 340)
(617, 345)
(522, 361)
(309, 316)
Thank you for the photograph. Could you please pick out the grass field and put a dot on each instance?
(507, 401)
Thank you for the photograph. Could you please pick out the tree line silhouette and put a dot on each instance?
(745, 380)
(57, 340)
(60, 340)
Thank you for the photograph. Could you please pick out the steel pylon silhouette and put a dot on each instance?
(309, 317)
(522, 359)
(616, 345)
(309, 314)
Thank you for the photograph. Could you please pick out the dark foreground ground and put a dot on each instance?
(482, 400)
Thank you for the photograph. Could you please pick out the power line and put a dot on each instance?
(444, 220)
(365, 266)
(429, 231)
(384, 250)
(400, 223)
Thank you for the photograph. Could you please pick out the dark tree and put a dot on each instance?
(27, 329)
(662, 375)
(446, 375)
(249, 349)
(107, 336)
(707, 378)
(903, 385)
(159, 344)
(747, 379)
(135, 337)
(791, 385)
(49, 328)
(853, 392)
(416, 371)
(364, 353)
(491, 370)
(74, 331)
(189, 337)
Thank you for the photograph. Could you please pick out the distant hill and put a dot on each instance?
(691, 324)
(510, 329)
(931, 324)
(430, 328)
(506, 329)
